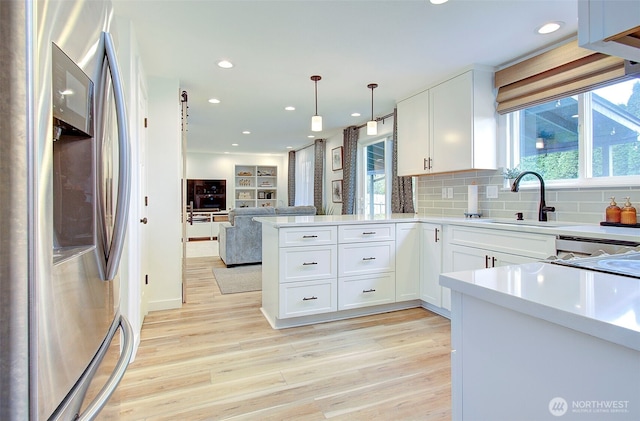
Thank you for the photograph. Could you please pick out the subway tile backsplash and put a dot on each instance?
(572, 204)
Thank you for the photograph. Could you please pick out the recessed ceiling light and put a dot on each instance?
(311, 136)
(225, 64)
(550, 27)
(234, 144)
(290, 108)
(226, 152)
(214, 101)
(438, 1)
(289, 147)
(355, 114)
(246, 132)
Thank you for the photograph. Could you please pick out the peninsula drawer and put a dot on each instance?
(308, 263)
(368, 290)
(308, 236)
(309, 297)
(365, 258)
(366, 233)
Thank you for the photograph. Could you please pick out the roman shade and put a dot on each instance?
(563, 71)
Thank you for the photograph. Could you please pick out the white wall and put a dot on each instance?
(222, 166)
(164, 211)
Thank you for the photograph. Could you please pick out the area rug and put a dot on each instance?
(239, 278)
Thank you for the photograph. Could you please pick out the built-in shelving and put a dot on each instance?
(255, 185)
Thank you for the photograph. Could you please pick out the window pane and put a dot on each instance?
(616, 129)
(549, 139)
(375, 180)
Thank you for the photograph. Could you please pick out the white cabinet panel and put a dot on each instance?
(366, 233)
(365, 258)
(307, 236)
(308, 263)
(368, 290)
(413, 135)
(431, 264)
(408, 260)
(311, 297)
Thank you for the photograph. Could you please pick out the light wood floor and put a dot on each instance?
(218, 359)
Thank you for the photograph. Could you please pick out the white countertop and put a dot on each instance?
(602, 305)
(551, 227)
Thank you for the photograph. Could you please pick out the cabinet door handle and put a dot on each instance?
(424, 164)
(368, 258)
(493, 262)
(436, 234)
(364, 291)
(486, 261)
(309, 263)
(369, 233)
(429, 166)
(309, 236)
(309, 298)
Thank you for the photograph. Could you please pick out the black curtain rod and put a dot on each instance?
(377, 119)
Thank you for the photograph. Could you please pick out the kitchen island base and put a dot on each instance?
(510, 365)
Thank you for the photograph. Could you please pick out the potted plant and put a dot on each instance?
(510, 174)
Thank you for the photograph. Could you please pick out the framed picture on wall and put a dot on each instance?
(336, 191)
(336, 158)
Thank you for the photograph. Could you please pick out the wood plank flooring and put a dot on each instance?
(217, 358)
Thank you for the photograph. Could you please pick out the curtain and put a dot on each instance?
(318, 173)
(349, 174)
(563, 71)
(304, 176)
(401, 187)
(291, 179)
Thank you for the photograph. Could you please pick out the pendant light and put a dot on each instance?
(316, 120)
(372, 126)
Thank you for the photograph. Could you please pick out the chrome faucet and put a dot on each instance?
(542, 207)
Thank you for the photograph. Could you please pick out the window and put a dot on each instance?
(304, 176)
(374, 181)
(548, 139)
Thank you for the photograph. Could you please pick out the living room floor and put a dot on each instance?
(217, 358)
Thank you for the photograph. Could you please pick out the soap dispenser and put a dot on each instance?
(628, 214)
(613, 211)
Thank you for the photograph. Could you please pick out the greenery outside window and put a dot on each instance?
(586, 139)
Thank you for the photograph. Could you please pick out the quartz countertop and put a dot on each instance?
(551, 227)
(601, 305)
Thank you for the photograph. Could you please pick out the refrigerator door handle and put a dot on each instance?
(124, 168)
(94, 408)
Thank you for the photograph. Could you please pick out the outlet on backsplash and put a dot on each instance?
(492, 192)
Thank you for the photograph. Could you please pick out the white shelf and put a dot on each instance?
(255, 185)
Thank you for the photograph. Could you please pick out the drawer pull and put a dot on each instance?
(309, 236)
(309, 263)
(369, 233)
(310, 298)
(368, 258)
(364, 291)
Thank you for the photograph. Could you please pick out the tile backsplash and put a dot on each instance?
(572, 204)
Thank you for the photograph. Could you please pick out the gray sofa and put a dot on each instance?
(240, 239)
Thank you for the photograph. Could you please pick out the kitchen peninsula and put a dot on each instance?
(330, 267)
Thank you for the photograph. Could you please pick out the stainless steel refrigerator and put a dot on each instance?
(64, 197)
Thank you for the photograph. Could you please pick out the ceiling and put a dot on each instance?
(276, 46)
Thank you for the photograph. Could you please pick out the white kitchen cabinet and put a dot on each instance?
(413, 135)
(463, 123)
(471, 248)
(449, 127)
(611, 27)
(431, 265)
(408, 258)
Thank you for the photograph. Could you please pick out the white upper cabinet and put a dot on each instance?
(413, 135)
(611, 27)
(449, 127)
